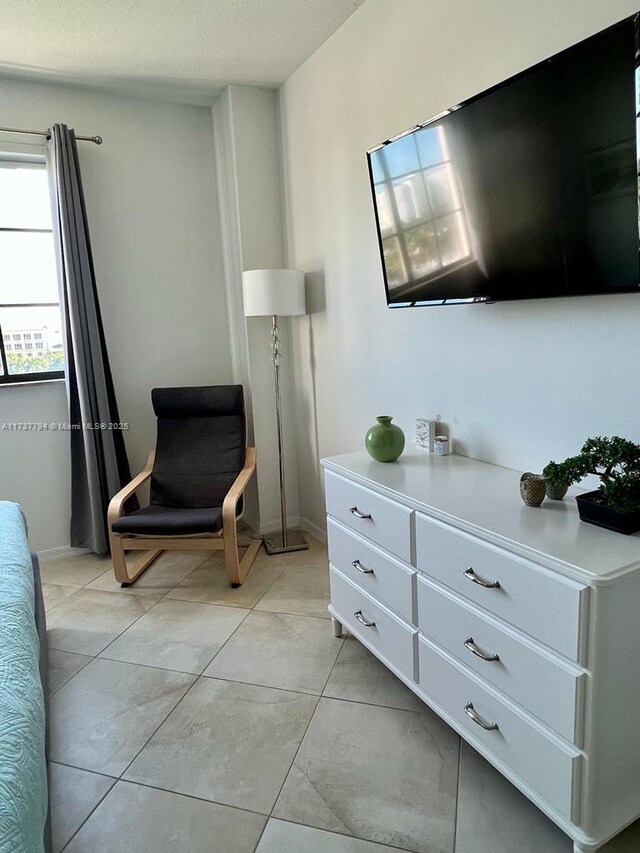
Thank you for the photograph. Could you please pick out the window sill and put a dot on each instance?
(30, 383)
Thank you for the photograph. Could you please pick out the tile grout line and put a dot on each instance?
(119, 778)
(110, 570)
(53, 692)
(270, 816)
(110, 641)
(286, 776)
(237, 628)
(104, 796)
(343, 835)
(162, 722)
(83, 769)
(186, 577)
(151, 787)
(197, 676)
(117, 637)
(293, 760)
(168, 669)
(240, 809)
(333, 666)
(196, 679)
(235, 607)
(95, 657)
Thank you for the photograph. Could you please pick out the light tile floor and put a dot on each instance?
(187, 717)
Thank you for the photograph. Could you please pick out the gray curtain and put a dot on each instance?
(99, 466)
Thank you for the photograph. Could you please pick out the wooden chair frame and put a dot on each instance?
(226, 539)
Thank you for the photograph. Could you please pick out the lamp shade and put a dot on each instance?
(269, 292)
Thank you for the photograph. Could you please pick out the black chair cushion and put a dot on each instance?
(201, 445)
(170, 521)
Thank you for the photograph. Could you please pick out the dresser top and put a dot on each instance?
(484, 500)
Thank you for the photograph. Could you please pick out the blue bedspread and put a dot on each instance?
(23, 781)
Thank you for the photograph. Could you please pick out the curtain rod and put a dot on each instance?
(96, 139)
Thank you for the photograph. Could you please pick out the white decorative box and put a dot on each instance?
(426, 433)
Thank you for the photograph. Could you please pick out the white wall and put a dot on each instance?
(518, 384)
(246, 130)
(151, 200)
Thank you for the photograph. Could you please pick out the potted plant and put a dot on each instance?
(558, 477)
(616, 461)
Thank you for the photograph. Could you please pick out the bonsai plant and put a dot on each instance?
(616, 461)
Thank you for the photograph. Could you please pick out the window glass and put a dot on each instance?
(24, 196)
(29, 308)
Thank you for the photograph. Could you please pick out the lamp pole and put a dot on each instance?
(275, 346)
(276, 293)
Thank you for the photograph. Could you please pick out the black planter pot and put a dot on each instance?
(594, 512)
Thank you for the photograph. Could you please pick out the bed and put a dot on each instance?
(24, 824)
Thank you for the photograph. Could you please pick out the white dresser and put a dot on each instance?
(519, 626)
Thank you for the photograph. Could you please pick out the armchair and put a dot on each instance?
(198, 471)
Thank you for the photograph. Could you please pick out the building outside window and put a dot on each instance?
(29, 304)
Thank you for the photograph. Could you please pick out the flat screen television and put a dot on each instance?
(527, 190)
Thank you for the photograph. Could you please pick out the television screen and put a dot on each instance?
(527, 190)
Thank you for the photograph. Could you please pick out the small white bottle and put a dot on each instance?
(441, 445)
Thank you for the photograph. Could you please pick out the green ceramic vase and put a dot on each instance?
(384, 442)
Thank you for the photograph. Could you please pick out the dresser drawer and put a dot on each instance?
(389, 636)
(542, 763)
(385, 522)
(544, 605)
(541, 683)
(375, 572)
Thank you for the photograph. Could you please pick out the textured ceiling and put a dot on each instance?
(184, 50)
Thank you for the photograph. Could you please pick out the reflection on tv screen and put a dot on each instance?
(528, 190)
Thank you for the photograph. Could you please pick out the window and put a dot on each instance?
(29, 306)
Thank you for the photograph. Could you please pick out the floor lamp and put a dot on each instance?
(273, 293)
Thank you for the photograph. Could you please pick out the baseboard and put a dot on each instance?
(274, 524)
(317, 532)
(294, 521)
(61, 552)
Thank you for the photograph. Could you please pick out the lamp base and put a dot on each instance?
(295, 542)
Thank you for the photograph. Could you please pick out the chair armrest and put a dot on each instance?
(239, 484)
(117, 501)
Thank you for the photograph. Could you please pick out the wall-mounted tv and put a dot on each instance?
(527, 190)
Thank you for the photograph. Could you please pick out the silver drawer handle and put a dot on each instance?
(355, 511)
(361, 619)
(358, 565)
(470, 712)
(469, 644)
(472, 576)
